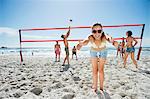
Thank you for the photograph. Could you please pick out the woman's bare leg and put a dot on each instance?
(132, 57)
(67, 57)
(101, 72)
(76, 57)
(125, 59)
(64, 60)
(59, 57)
(95, 72)
(56, 58)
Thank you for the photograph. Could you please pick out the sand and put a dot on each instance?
(42, 78)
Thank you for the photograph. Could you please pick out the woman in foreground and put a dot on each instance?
(98, 53)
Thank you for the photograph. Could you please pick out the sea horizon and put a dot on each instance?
(50, 51)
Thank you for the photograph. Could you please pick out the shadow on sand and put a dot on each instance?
(103, 96)
(65, 68)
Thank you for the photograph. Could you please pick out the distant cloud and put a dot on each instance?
(8, 31)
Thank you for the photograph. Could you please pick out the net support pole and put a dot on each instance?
(21, 58)
(140, 49)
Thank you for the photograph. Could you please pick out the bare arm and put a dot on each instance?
(111, 40)
(115, 44)
(59, 47)
(85, 42)
(108, 38)
(54, 47)
(135, 41)
(68, 33)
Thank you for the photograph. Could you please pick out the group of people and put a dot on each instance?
(125, 49)
(98, 51)
(121, 49)
(57, 49)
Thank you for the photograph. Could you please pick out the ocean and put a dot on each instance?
(45, 50)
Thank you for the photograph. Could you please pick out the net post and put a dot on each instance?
(140, 49)
(21, 58)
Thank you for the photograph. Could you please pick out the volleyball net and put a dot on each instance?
(116, 31)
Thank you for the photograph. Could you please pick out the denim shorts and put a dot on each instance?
(130, 49)
(99, 54)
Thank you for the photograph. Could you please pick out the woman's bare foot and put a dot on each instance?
(94, 88)
(102, 93)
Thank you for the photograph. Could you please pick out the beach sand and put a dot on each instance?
(42, 78)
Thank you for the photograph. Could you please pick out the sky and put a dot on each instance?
(23, 14)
